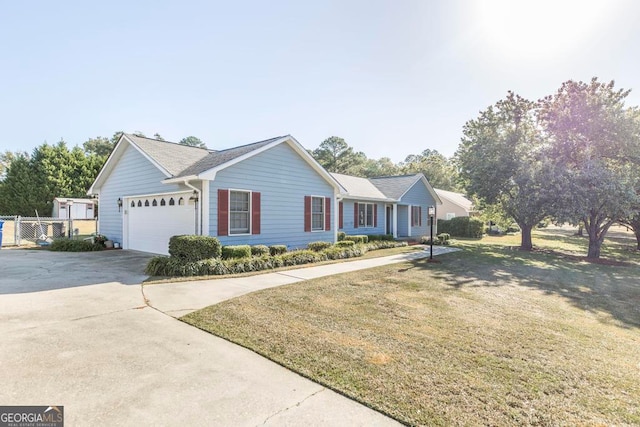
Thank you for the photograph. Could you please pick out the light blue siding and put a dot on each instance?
(349, 217)
(133, 174)
(283, 178)
(403, 224)
(418, 195)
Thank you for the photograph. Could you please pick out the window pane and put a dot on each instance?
(317, 213)
(369, 215)
(362, 213)
(238, 212)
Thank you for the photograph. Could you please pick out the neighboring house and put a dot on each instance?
(453, 205)
(397, 205)
(268, 192)
(66, 207)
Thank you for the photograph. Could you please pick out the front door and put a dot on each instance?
(389, 217)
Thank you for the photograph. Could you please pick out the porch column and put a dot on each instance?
(204, 208)
(409, 221)
(395, 221)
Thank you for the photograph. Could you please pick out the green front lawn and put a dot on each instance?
(491, 336)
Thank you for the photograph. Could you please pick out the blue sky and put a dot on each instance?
(391, 77)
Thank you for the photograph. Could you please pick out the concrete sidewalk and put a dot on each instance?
(180, 298)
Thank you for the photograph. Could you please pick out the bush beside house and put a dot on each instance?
(462, 226)
(243, 258)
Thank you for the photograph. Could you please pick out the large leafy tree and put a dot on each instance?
(18, 192)
(594, 144)
(384, 166)
(33, 182)
(335, 155)
(440, 171)
(500, 162)
(193, 141)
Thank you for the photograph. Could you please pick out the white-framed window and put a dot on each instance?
(365, 214)
(239, 212)
(317, 213)
(450, 215)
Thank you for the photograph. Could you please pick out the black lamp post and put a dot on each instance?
(432, 213)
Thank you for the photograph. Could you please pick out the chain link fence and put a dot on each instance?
(19, 230)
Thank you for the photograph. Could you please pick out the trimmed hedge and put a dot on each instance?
(358, 238)
(318, 246)
(341, 236)
(277, 250)
(69, 245)
(190, 248)
(259, 250)
(376, 237)
(461, 226)
(165, 266)
(236, 251)
(345, 243)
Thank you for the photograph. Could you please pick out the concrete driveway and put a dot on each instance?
(76, 332)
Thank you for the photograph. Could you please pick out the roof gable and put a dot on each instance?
(456, 198)
(357, 187)
(181, 162)
(217, 158)
(397, 186)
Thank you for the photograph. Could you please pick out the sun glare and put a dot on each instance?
(535, 30)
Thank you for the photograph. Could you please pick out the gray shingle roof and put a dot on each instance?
(174, 158)
(182, 160)
(395, 186)
(358, 187)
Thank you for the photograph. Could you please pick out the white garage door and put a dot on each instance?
(152, 220)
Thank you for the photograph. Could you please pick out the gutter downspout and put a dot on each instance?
(199, 225)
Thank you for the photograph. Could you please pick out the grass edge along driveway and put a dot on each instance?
(490, 336)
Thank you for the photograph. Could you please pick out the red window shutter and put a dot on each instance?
(223, 212)
(420, 216)
(327, 213)
(340, 216)
(307, 213)
(255, 212)
(375, 214)
(355, 215)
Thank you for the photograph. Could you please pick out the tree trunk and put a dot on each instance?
(525, 237)
(594, 247)
(596, 237)
(580, 231)
(636, 231)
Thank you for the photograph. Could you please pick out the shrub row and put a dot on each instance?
(442, 239)
(318, 246)
(236, 251)
(357, 238)
(70, 245)
(461, 226)
(167, 266)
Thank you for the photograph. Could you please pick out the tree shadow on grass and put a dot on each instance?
(612, 289)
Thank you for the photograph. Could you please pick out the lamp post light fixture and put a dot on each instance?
(70, 222)
(119, 204)
(432, 213)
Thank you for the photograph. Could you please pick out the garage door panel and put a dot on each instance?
(153, 220)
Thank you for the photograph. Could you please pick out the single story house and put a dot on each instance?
(453, 205)
(268, 192)
(71, 208)
(397, 205)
